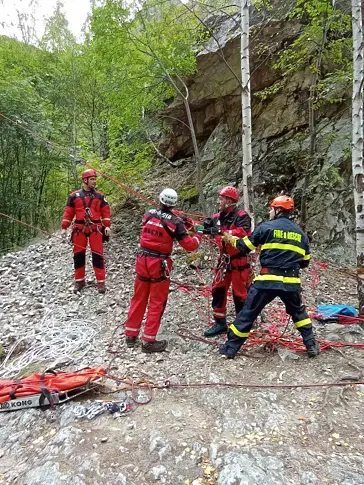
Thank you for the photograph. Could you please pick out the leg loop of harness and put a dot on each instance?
(222, 267)
(164, 274)
(87, 227)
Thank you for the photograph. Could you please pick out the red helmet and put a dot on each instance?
(89, 172)
(283, 202)
(230, 192)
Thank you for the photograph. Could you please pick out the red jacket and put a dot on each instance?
(161, 228)
(83, 206)
(237, 223)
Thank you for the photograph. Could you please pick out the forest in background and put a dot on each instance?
(63, 102)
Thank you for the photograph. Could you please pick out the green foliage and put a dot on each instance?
(137, 55)
(188, 192)
(324, 47)
(324, 178)
(57, 37)
(228, 7)
(259, 4)
(31, 175)
(334, 88)
(260, 49)
(127, 163)
(91, 101)
(269, 92)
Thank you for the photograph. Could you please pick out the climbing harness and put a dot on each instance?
(164, 272)
(222, 267)
(148, 252)
(88, 221)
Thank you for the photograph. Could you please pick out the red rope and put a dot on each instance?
(35, 228)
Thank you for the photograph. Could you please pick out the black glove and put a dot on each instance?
(212, 231)
(208, 223)
(210, 228)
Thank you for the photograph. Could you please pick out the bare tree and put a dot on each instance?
(182, 91)
(357, 143)
(247, 166)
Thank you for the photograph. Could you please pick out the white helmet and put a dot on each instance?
(168, 197)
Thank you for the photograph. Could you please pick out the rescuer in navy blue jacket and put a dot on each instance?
(284, 251)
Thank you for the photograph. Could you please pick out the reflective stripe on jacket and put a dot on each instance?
(284, 250)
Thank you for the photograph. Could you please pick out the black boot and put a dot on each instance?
(130, 342)
(232, 346)
(101, 287)
(228, 351)
(157, 346)
(313, 349)
(217, 329)
(78, 286)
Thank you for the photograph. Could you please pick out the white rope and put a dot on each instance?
(60, 339)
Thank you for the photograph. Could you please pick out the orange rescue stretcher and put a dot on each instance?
(47, 389)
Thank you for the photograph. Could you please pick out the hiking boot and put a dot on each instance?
(101, 287)
(313, 350)
(216, 329)
(130, 342)
(157, 346)
(79, 285)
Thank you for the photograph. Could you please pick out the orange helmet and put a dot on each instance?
(89, 172)
(230, 192)
(283, 202)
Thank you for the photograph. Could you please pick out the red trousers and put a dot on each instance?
(79, 240)
(148, 293)
(239, 279)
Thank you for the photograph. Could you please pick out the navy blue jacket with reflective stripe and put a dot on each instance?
(283, 246)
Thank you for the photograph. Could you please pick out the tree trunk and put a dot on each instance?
(247, 166)
(357, 144)
(185, 97)
(312, 150)
(201, 199)
(312, 117)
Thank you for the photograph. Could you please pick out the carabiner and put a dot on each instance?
(88, 211)
(165, 269)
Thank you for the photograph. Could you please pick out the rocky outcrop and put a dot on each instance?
(280, 130)
(214, 91)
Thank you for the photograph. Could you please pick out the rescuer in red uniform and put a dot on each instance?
(91, 212)
(232, 267)
(153, 266)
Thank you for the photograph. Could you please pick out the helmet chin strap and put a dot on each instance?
(227, 205)
(277, 212)
(86, 183)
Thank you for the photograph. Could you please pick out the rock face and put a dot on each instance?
(280, 130)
